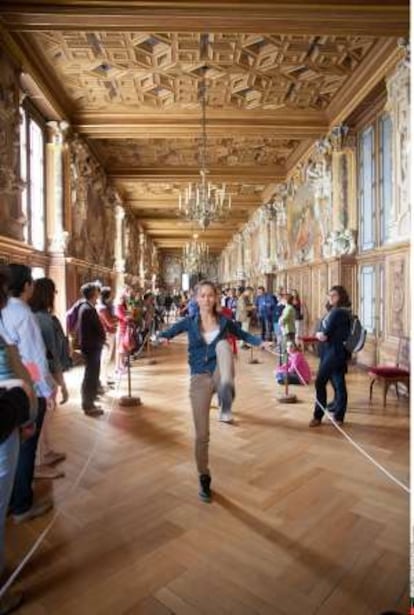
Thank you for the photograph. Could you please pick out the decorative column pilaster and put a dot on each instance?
(119, 264)
(239, 273)
(57, 235)
(398, 105)
(142, 270)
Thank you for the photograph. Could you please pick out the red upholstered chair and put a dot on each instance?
(396, 374)
(310, 341)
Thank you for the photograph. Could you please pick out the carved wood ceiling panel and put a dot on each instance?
(118, 153)
(155, 190)
(146, 72)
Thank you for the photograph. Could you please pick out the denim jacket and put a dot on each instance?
(202, 356)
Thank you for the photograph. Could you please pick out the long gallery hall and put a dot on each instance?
(239, 171)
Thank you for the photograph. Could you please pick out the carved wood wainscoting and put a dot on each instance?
(313, 280)
(387, 270)
(13, 251)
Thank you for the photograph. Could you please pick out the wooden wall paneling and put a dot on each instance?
(314, 305)
(72, 283)
(348, 279)
(369, 354)
(306, 298)
(397, 285)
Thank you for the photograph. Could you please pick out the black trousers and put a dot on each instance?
(22, 494)
(335, 372)
(90, 383)
(266, 325)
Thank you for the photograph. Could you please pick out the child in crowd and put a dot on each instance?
(296, 368)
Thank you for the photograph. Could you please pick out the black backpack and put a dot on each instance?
(357, 336)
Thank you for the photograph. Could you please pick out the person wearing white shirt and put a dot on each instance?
(20, 326)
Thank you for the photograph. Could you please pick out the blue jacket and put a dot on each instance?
(201, 356)
(265, 305)
(336, 326)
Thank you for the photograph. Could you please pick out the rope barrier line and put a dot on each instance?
(73, 488)
(357, 446)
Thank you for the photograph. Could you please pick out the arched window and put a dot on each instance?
(32, 172)
(375, 189)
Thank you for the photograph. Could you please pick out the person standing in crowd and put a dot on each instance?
(42, 304)
(232, 302)
(19, 326)
(334, 330)
(299, 308)
(277, 313)
(212, 370)
(243, 311)
(168, 305)
(14, 411)
(92, 338)
(192, 305)
(18, 409)
(109, 321)
(124, 317)
(265, 305)
(287, 321)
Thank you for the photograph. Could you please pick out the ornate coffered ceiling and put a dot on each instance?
(126, 75)
(147, 72)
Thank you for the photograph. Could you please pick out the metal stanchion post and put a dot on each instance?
(252, 360)
(129, 400)
(287, 398)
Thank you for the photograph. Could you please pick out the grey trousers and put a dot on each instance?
(202, 389)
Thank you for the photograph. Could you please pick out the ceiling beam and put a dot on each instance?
(244, 175)
(173, 219)
(161, 203)
(341, 17)
(173, 231)
(380, 60)
(286, 125)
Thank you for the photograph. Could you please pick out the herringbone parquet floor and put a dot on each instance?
(300, 523)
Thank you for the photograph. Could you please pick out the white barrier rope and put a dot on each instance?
(73, 488)
(348, 437)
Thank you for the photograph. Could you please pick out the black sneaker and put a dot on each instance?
(205, 491)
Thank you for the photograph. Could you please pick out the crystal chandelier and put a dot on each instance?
(195, 256)
(204, 202)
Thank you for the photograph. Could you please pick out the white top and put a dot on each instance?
(210, 335)
(19, 326)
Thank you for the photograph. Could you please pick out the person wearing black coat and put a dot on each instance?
(91, 340)
(334, 330)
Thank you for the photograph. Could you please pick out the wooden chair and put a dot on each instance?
(310, 341)
(389, 375)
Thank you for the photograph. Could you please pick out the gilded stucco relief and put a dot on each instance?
(93, 215)
(239, 151)
(12, 220)
(172, 270)
(397, 314)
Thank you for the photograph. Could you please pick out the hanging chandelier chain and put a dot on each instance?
(204, 202)
(203, 149)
